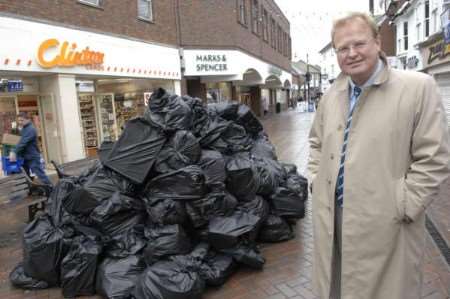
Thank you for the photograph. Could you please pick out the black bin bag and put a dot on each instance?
(275, 229)
(162, 211)
(181, 150)
(20, 279)
(200, 114)
(169, 280)
(287, 204)
(217, 268)
(226, 232)
(134, 154)
(116, 278)
(215, 203)
(79, 267)
(165, 241)
(299, 185)
(43, 250)
(185, 184)
(118, 214)
(127, 243)
(213, 165)
(262, 147)
(168, 112)
(248, 120)
(226, 110)
(247, 254)
(241, 177)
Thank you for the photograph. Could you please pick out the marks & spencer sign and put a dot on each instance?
(211, 63)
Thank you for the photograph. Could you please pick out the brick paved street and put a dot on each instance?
(287, 272)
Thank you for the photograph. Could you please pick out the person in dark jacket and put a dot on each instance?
(28, 149)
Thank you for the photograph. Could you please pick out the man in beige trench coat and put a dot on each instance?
(379, 149)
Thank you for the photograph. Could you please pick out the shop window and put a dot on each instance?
(242, 12)
(145, 10)
(255, 16)
(96, 3)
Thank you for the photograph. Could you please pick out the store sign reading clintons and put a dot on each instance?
(65, 55)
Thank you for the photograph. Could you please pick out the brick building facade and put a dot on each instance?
(216, 50)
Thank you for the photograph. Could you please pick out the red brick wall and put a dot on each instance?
(214, 24)
(203, 23)
(387, 35)
(114, 16)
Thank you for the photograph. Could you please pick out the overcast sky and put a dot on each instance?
(311, 22)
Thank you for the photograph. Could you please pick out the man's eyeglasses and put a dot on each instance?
(357, 46)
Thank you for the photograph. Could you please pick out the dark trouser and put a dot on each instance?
(35, 166)
(335, 290)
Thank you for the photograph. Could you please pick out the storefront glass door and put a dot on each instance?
(106, 117)
(51, 134)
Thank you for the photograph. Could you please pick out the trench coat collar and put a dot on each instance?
(343, 81)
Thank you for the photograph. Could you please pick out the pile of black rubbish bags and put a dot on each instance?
(175, 205)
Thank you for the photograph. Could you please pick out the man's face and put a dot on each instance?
(356, 49)
(22, 121)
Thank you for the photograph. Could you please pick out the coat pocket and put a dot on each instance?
(400, 199)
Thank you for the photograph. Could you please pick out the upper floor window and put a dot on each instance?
(435, 19)
(242, 11)
(265, 25)
(427, 18)
(405, 35)
(255, 16)
(280, 39)
(145, 9)
(273, 33)
(289, 48)
(91, 2)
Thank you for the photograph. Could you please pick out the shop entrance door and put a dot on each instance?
(106, 117)
(50, 127)
(246, 99)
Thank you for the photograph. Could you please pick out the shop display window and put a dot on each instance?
(88, 122)
(127, 106)
(107, 123)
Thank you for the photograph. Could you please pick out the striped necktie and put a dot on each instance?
(340, 179)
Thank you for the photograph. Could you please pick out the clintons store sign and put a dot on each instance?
(30, 48)
(53, 53)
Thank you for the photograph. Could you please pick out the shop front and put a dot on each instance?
(79, 87)
(436, 56)
(221, 75)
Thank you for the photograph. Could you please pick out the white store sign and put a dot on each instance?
(36, 47)
(228, 63)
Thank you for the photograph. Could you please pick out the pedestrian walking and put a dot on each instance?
(28, 149)
(379, 149)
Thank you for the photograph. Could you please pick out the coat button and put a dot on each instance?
(329, 182)
(339, 128)
(331, 156)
